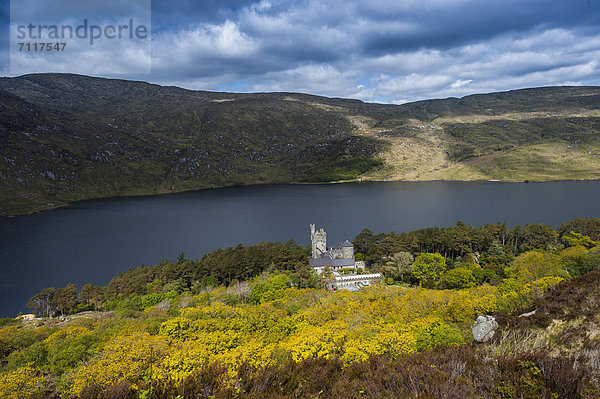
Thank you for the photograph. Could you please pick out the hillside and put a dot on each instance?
(175, 330)
(68, 137)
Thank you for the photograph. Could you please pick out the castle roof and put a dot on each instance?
(347, 244)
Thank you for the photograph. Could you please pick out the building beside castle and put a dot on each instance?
(338, 259)
(354, 282)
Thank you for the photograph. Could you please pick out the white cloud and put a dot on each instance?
(318, 79)
(95, 52)
(460, 83)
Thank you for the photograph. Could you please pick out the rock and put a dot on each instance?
(484, 328)
(528, 313)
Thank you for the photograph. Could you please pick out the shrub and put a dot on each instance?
(459, 277)
(428, 267)
(268, 288)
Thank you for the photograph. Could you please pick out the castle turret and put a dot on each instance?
(318, 239)
(347, 250)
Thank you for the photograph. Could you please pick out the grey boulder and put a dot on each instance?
(484, 328)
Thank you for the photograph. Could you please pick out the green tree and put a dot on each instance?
(306, 276)
(459, 277)
(538, 236)
(41, 302)
(572, 259)
(585, 226)
(327, 272)
(533, 265)
(399, 266)
(91, 295)
(578, 261)
(302, 277)
(65, 298)
(573, 239)
(268, 287)
(497, 252)
(364, 241)
(428, 266)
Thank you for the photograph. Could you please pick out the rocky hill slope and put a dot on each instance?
(68, 137)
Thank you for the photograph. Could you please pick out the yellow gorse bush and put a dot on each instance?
(24, 382)
(125, 358)
(300, 324)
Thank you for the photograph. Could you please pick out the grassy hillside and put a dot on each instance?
(69, 137)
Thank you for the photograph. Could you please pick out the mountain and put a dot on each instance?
(69, 137)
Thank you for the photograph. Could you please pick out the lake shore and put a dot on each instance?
(52, 206)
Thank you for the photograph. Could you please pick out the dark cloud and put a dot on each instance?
(376, 50)
(4, 34)
(175, 15)
(408, 50)
(449, 24)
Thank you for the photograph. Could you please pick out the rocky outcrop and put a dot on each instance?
(484, 328)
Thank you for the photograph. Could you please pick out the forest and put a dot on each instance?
(254, 322)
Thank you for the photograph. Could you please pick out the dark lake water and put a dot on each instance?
(91, 241)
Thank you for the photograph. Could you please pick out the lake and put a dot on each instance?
(91, 241)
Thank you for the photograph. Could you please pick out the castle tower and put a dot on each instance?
(347, 250)
(318, 241)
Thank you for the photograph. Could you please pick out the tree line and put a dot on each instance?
(462, 255)
(466, 256)
(219, 267)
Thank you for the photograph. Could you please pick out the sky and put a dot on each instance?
(376, 51)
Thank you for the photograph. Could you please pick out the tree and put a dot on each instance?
(267, 287)
(591, 262)
(533, 265)
(41, 302)
(364, 241)
(573, 239)
(585, 226)
(302, 275)
(573, 260)
(306, 276)
(497, 251)
(428, 266)
(399, 267)
(327, 272)
(65, 298)
(538, 236)
(91, 295)
(459, 277)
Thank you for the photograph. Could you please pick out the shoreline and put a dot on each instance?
(360, 180)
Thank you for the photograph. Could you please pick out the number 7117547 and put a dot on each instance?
(38, 46)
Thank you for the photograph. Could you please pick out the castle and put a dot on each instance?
(338, 259)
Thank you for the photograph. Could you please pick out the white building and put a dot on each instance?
(354, 282)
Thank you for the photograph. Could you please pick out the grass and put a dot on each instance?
(338, 170)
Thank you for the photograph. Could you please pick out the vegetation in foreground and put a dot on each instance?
(115, 137)
(164, 332)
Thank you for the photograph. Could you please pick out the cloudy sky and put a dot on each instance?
(377, 51)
